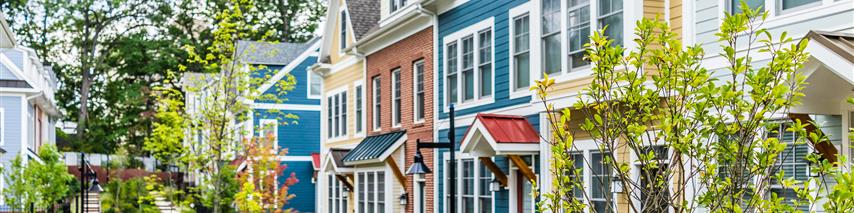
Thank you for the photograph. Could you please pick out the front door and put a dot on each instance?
(524, 201)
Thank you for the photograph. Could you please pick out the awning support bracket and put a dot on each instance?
(499, 175)
(523, 167)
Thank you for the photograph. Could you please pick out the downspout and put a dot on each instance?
(434, 19)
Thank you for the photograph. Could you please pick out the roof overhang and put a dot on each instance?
(330, 164)
(829, 73)
(414, 19)
(46, 104)
(512, 135)
(382, 154)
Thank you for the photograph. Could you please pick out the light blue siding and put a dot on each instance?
(6, 73)
(299, 95)
(304, 190)
(12, 127)
(465, 15)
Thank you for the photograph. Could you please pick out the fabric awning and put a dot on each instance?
(374, 149)
(494, 134)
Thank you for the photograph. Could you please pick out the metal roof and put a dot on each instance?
(373, 147)
(840, 43)
(507, 128)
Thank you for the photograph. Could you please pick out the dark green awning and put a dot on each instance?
(373, 147)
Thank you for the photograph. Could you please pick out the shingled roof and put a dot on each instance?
(268, 53)
(364, 16)
(840, 43)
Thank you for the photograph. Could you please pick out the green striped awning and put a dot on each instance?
(372, 148)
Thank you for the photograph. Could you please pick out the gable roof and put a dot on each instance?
(269, 53)
(840, 43)
(374, 147)
(364, 16)
(507, 128)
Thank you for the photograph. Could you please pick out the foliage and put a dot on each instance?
(127, 196)
(41, 184)
(165, 142)
(260, 188)
(716, 128)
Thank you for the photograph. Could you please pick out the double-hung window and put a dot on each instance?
(474, 194)
(395, 5)
(268, 128)
(377, 103)
(600, 174)
(359, 111)
(791, 162)
(418, 102)
(735, 5)
(371, 191)
(469, 65)
(786, 5)
(337, 115)
(485, 62)
(521, 53)
(336, 198)
(315, 82)
(343, 38)
(395, 97)
(611, 16)
(551, 36)
(578, 18)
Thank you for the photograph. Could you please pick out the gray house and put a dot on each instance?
(28, 110)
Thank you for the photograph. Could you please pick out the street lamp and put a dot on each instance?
(418, 167)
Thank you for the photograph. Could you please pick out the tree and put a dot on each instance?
(260, 187)
(658, 97)
(41, 184)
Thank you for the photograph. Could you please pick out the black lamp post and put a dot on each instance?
(418, 167)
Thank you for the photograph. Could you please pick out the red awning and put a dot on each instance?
(315, 161)
(504, 134)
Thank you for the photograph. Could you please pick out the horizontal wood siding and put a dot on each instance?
(301, 137)
(465, 15)
(304, 189)
(299, 95)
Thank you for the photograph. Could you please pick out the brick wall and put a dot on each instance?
(403, 55)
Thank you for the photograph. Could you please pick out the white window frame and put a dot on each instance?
(310, 80)
(359, 104)
(457, 37)
(2, 128)
(343, 32)
(523, 10)
(418, 117)
(339, 114)
(376, 89)
(339, 201)
(262, 125)
(387, 192)
(459, 173)
(396, 99)
(513, 180)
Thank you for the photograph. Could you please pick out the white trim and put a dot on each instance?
(415, 102)
(514, 13)
(386, 154)
(778, 5)
(460, 157)
(2, 129)
(345, 64)
(262, 124)
(298, 107)
(347, 31)
(473, 32)
(288, 68)
(293, 158)
(309, 79)
(15, 70)
(395, 119)
(387, 185)
(329, 136)
(359, 96)
(478, 133)
(376, 105)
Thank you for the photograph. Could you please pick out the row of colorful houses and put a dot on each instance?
(384, 74)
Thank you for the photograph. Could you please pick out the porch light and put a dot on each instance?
(495, 185)
(616, 184)
(403, 199)
(346, 193)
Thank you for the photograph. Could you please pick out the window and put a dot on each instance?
(485, 62)
(315, 82)
(377, 101)
(337, 200)
(521, 53)
(579, 30)
(395, 97)
(336, 118)
(735, 5)
(359, 110)
(650, 179)
(468, 68)
(792, 161)
(601, 183)
(395, 5)
(451, 50)
(343, 38)
(2, 127)
(268, 128)
(371, 191)
(551, 36)
(473, 194)
(794, 4)
(611, 16)
(578, 174)
(418, 72)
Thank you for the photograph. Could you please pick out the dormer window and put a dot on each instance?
(395, 5)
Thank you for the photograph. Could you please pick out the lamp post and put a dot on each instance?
(418, 167)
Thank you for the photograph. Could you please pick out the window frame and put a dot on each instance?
(518, 13)
(396, 100)
(338, 204)
(377, 102)
(418, 108)
(2, 127)
(481, 62)
(336, 121)
(342, 37)
(570, 28)
(362, 194)
(476, 177)
(456, 40)
(262, 125)
(314, 77)
(359, 107)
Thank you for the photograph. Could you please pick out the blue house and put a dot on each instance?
(293, 115)
(28, 109)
